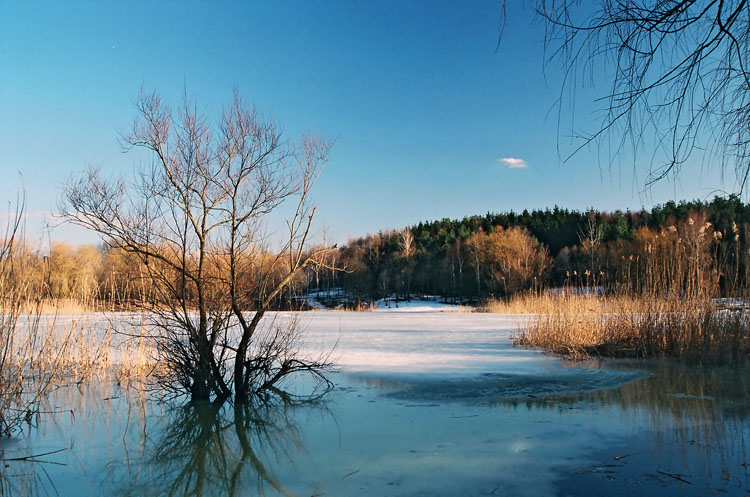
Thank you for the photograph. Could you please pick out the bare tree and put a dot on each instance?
(197, 218)
(477, 248)
(591, 235)
(457, 257)
(678, 74)
(406, 244)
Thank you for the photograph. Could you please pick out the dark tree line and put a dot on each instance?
(500, 254)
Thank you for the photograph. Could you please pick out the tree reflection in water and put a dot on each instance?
(677, 420)
(226, 450)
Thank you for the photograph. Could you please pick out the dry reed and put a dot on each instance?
(662, 305)
(38, 350)
(579, 327)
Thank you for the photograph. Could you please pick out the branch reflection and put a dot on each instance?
(226, 450)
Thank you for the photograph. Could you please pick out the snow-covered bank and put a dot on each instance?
(337, 298)
(418, 305)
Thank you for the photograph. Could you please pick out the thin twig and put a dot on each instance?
(676, 476)
(26, 458)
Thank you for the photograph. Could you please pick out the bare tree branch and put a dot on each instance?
(678, 71)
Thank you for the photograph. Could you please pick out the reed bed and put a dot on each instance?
(580, 327)
(94, 347)
(40, 352)
(544, 303)
(660, 304)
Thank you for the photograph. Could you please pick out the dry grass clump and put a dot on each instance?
(544, 303)
(94, 348)
(39, 348)
(663, 305)
(76, 348)
(65, 306)
(28, 361)
(638, 327)
(137, 360)
(357, 306)
(561, 302)
(39, 352)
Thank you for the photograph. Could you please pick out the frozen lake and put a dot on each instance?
(427, 403)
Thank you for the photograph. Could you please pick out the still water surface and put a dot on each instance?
(425, 404)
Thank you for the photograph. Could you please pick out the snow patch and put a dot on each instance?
(418, 305)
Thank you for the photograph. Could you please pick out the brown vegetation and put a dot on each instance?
(39, 350)
(514, 260)
(666, 305)
(579, 327)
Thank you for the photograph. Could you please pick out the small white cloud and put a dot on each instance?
(513, 162)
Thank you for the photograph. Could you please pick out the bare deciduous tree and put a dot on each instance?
(196, 218)
(678, 74)
(477, 247)
(407, 246)
(591, 236)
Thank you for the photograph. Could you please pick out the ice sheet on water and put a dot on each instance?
(428, 342)
(440, 355)
(435, 356)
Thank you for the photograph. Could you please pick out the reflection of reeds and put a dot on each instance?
(26, 477)
(697, 416)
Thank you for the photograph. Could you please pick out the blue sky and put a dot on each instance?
(422, 106)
